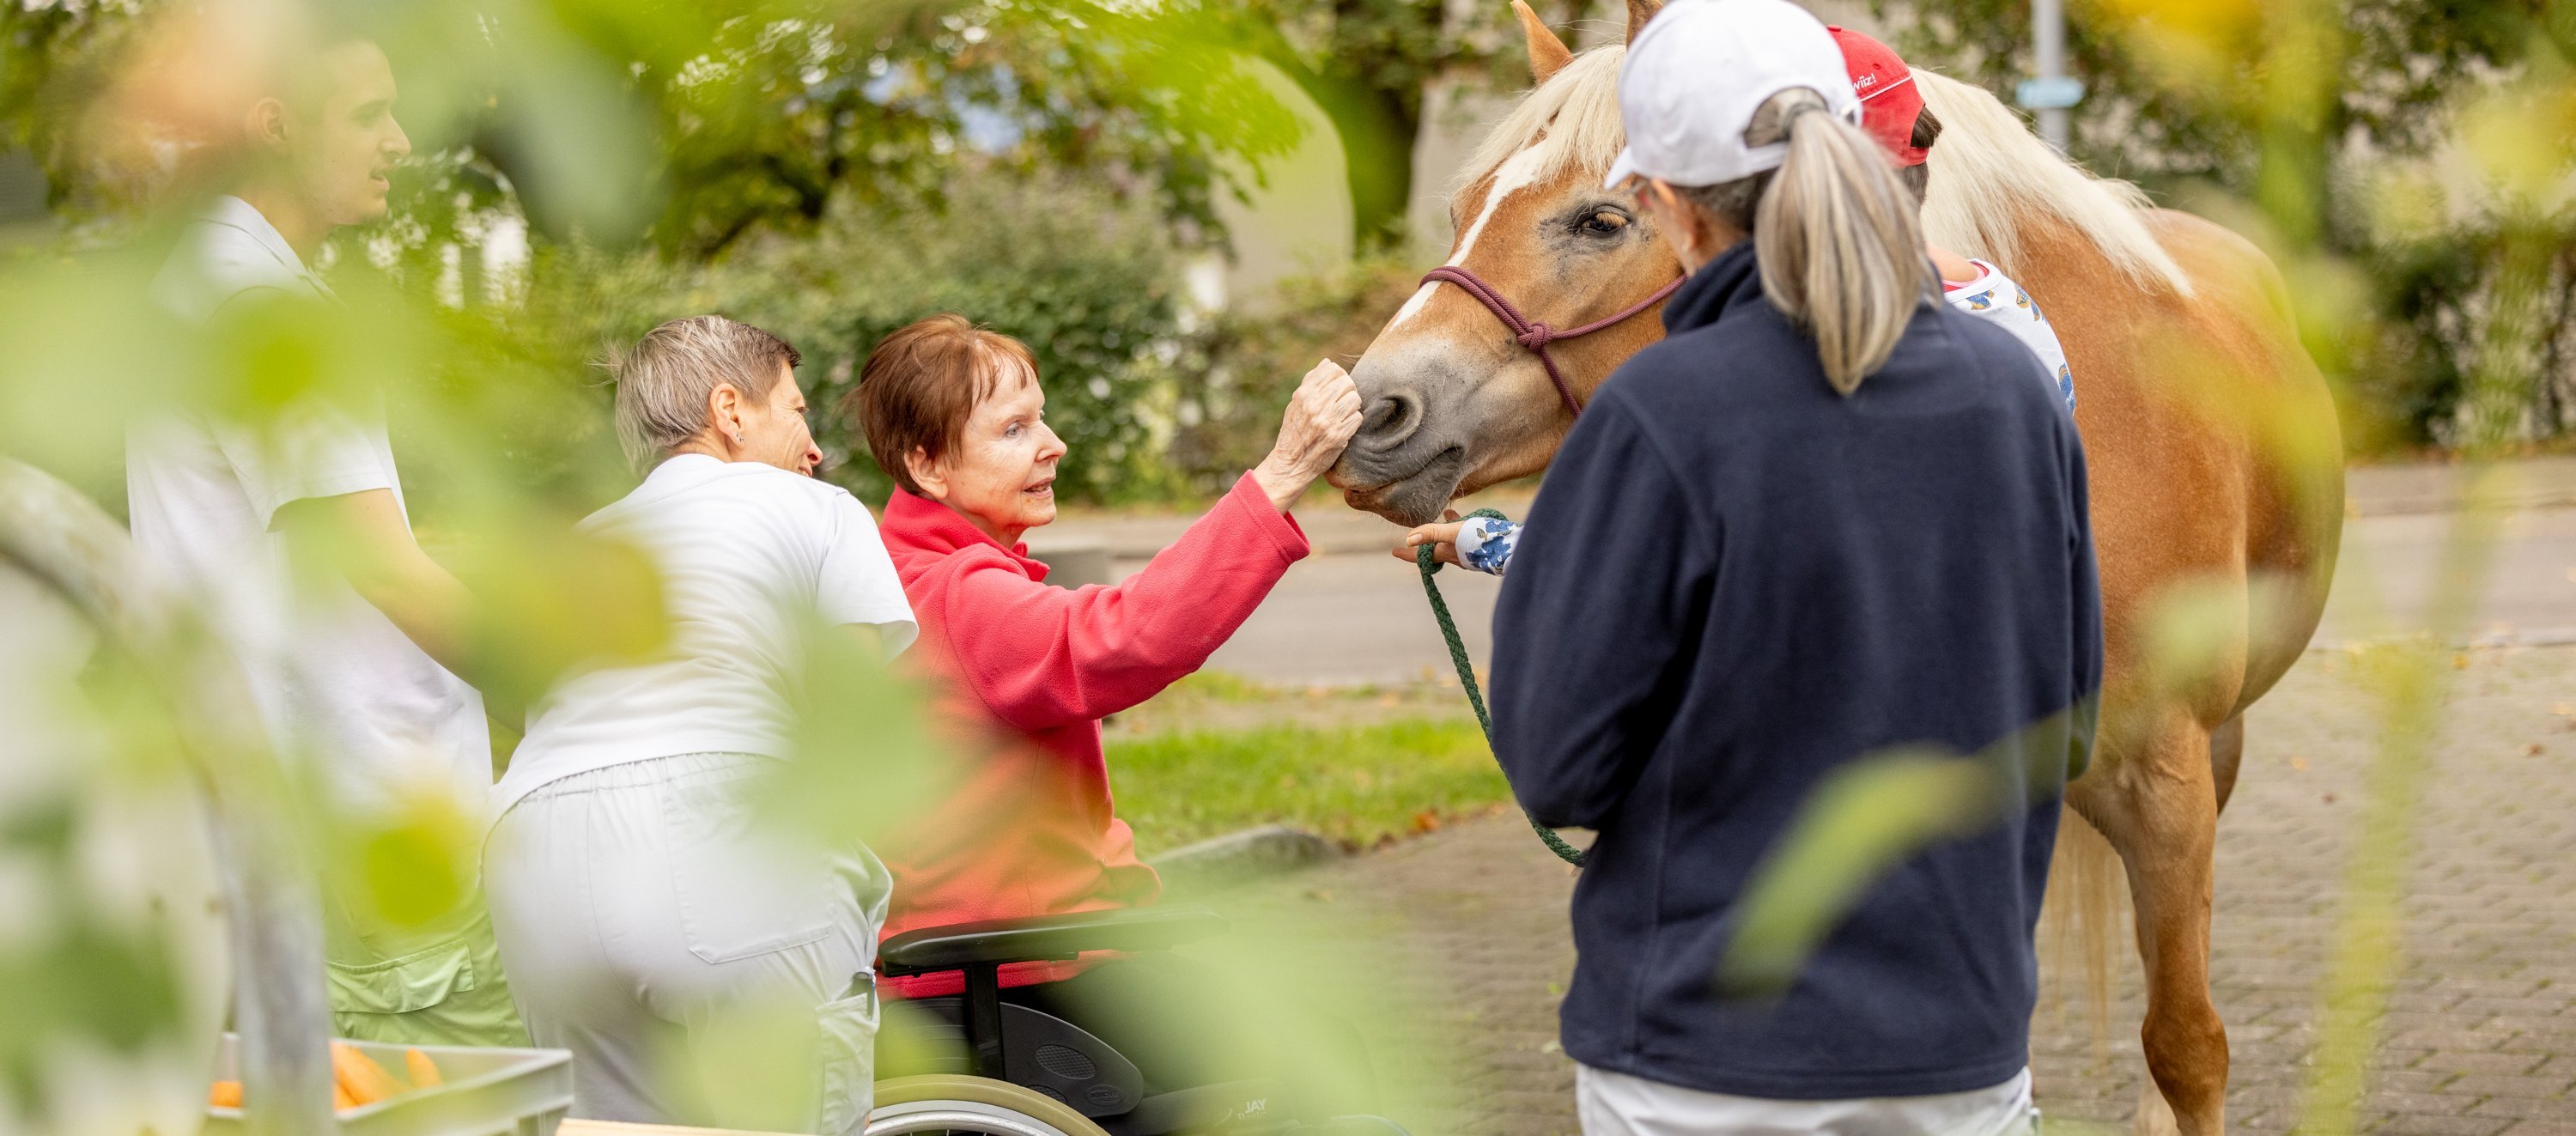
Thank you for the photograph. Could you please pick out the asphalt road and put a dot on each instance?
(1352, 614)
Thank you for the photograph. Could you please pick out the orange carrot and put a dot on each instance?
(366, 1081)
(424, 1072)
(225, 1094)
(340, 1098)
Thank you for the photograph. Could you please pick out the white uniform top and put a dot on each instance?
(1994, 298)
(333, 677)
(751, 556)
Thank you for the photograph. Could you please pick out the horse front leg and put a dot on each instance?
(2159, 808)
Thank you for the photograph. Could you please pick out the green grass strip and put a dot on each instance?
(1356, 785)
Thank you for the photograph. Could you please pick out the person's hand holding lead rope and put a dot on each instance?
(1441, 535)
(1322, 418)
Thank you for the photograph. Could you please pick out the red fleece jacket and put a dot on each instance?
(1033, 668)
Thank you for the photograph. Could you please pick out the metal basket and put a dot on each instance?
(486, 1092)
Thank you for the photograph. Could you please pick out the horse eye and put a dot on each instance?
(1604, 223)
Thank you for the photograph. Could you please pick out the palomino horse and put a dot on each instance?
(2217, 487)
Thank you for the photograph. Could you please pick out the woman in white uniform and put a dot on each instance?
(650, 925)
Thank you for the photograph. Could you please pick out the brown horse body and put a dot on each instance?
(2209, 435)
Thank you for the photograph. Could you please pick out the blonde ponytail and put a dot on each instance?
(1836, 233)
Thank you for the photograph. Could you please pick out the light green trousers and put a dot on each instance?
(440, 985)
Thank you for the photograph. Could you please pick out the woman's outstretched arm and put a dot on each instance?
(1040, 656)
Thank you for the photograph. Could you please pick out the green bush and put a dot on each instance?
(1150, 409)
(1086, 280)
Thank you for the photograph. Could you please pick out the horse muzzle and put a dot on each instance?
(1411, 452)
(1410, 499)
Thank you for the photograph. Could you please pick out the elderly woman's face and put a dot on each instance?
(1002, 473)
(774, 430)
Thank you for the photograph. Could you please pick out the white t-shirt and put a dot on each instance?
(333, 677)
(1993, 297)
(751, 556)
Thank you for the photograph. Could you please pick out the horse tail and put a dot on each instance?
(2081, 919)
(1991, 178)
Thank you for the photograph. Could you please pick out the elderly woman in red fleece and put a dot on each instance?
(955, 416)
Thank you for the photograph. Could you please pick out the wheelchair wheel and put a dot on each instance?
(947, 1102)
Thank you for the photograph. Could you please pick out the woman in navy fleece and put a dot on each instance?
(1896, 117)
(1826, 518)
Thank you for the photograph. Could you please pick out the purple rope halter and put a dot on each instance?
(1535, 335)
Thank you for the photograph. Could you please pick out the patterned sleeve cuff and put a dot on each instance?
(1485, 543)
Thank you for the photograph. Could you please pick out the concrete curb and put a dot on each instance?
(2450, 503)
(1238, 858)
(2532, 637)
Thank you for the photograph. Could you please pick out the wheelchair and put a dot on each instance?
(1004, 1069)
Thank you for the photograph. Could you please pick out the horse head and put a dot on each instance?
(1454, 399)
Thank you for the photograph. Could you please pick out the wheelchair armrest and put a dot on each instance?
(993, 941)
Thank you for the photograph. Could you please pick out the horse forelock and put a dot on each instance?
(1572, 119)
(1511, 177)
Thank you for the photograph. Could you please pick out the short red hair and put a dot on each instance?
(922, 383)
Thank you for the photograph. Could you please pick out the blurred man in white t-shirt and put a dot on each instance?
(355, 666)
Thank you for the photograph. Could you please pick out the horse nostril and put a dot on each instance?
(1391, 419)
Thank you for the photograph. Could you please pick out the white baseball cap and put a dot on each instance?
(1694, 77)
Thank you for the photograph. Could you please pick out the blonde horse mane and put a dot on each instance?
(1991, 177)
(1571, 119)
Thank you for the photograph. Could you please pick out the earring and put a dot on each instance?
(737, 437)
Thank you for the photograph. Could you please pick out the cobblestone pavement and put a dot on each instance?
(2480, 1038)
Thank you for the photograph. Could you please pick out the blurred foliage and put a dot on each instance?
(829, 171)
(704, 123)
(111, 969)
(2180, 95)
(73, 967)
(1864, 819)
(869, 761)
(581, 171)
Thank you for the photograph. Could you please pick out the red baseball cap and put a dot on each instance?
(1889, 99)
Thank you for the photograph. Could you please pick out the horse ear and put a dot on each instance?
(1640, 11)
(1548, 54)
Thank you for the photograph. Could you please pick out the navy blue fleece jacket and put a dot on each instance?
(1735, 582)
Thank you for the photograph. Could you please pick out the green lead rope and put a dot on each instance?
(1425, 558)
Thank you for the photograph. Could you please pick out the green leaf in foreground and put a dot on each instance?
(1863, 820)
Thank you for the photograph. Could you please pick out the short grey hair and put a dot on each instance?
(663, 382)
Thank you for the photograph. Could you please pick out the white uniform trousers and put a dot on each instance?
(1617, 1104)
(700, 972)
